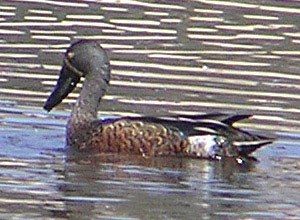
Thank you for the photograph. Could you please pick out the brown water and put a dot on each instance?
(167, 57)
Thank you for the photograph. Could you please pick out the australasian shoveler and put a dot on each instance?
(210, 136)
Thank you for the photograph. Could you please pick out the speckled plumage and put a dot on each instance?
(203, 136)
(132, 136)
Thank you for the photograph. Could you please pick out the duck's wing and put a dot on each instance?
(222, 125)
(187, 125)
(228, 119)
(213, 125)
(216, 124)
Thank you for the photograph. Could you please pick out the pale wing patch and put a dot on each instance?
(204, 146)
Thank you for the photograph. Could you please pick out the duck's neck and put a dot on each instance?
(85, 109)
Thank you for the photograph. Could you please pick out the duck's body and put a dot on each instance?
(204, 136)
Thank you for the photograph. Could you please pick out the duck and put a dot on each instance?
(205, 136)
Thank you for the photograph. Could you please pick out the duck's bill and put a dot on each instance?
(65, 84)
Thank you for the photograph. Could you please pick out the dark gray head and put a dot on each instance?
(82, 58)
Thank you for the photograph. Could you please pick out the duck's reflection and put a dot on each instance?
(132, 187)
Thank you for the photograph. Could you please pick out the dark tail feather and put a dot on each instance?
(225, 118)
(232, 119)
(247, 147)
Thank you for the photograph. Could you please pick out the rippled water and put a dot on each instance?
(167, 57)
(40, 179)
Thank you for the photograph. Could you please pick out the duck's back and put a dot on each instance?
(138, 137)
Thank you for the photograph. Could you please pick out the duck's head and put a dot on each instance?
(81, 59)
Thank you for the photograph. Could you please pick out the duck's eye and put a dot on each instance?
(70, 55)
